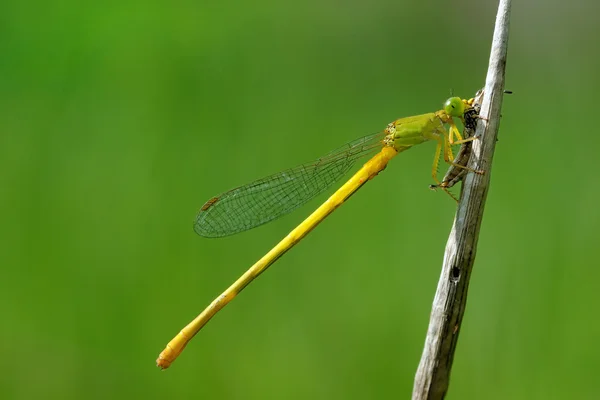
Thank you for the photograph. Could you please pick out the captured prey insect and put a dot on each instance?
(458, 169)
(266, 199)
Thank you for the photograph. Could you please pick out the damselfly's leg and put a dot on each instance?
(455, 132)
(477, 171)
(448, 157)
(441, 143)
(445, 189)
(436, 158)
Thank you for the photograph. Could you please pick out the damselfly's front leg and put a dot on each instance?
(455, 132)
(448, 154)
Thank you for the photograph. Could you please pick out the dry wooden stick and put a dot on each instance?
(433, 375)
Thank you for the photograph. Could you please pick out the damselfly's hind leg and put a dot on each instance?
(444, 188)
(477, 171)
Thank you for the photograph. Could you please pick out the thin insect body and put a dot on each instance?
(261, 201)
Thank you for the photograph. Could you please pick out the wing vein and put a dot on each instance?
(266, 199)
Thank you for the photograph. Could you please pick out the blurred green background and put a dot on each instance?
(118, 120)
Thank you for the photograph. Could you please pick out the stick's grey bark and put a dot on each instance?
(433, 375)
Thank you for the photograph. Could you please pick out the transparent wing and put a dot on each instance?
(266, 199)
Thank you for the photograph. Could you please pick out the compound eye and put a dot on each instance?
(454, 107)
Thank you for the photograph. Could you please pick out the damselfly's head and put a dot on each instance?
(455, 107)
